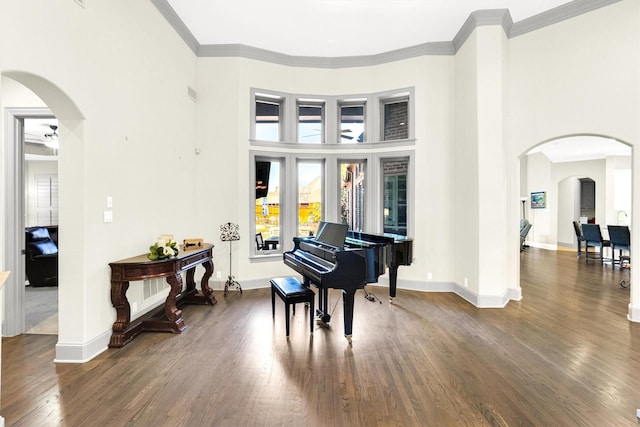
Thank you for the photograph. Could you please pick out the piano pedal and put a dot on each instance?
(371, 297)
(324, 318)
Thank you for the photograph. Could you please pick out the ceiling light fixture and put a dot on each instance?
(51, 139)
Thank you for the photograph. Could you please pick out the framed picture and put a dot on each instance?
(539, 200)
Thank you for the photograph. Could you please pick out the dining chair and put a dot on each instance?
(593, 239)
(620, 239)
(579, 236)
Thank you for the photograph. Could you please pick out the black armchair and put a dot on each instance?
(260, 242)
(593, 239)
(41, 257)
(620, 239)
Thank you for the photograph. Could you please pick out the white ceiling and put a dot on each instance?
(36, 128)
(335, 28)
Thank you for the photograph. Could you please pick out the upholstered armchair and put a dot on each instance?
(41, 257)
(525, 226)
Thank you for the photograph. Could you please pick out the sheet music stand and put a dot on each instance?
(229, 233)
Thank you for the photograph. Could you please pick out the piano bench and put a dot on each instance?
(291, 291)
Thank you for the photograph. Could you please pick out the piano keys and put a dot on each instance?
(387, 250)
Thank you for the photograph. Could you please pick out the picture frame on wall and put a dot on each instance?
(539, 200)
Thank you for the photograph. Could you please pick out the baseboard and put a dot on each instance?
(82, 352)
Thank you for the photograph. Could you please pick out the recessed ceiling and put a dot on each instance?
(580, 148)
(335, 28)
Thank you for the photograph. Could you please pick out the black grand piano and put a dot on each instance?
(339, 259)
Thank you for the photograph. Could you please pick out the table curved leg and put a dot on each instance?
(170, 308)
(121, 304)
(204, 283)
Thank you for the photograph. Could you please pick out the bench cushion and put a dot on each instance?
(290, 286)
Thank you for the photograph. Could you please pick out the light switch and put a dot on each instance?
(108, 216)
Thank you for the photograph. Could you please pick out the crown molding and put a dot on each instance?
(249, 52)
(557, 14)
(174, 20)
(476, 19)
(480, 18)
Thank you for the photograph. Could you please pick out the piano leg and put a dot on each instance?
(347, 304)
(393, 280)
(323, 312)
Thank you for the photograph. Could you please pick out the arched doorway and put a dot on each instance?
(70, 132)
(562, 168)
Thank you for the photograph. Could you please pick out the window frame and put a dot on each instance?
(395, 99)
(365, 206)
(270, 98)
(352, 103)
(373, 118)
(311, 103)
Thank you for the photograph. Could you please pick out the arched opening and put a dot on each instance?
(56, 103)
(585, 178)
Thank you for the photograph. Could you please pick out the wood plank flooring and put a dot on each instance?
(565, 355)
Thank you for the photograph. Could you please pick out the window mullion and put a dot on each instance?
(331, 121)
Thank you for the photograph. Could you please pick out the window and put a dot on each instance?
(310, 196)
(352, 123)
(329, 158)
(352, 194)
(267, 119)
(310, 122)
(395, 120)
(267, 201)
(395, 196)
(46, 199)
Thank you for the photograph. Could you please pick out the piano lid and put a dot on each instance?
(332, 233)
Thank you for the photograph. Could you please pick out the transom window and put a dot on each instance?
(268, 118)
(352, 129)
(310, 122)
(395, 120)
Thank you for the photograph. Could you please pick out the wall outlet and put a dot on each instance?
(218, 274)
(134, 306)
(466, 282)
(429, 276)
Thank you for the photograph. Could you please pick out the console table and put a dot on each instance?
(141, 268)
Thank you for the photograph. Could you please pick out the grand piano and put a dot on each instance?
(341, 259)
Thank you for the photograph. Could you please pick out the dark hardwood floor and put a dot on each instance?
(565, 355)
